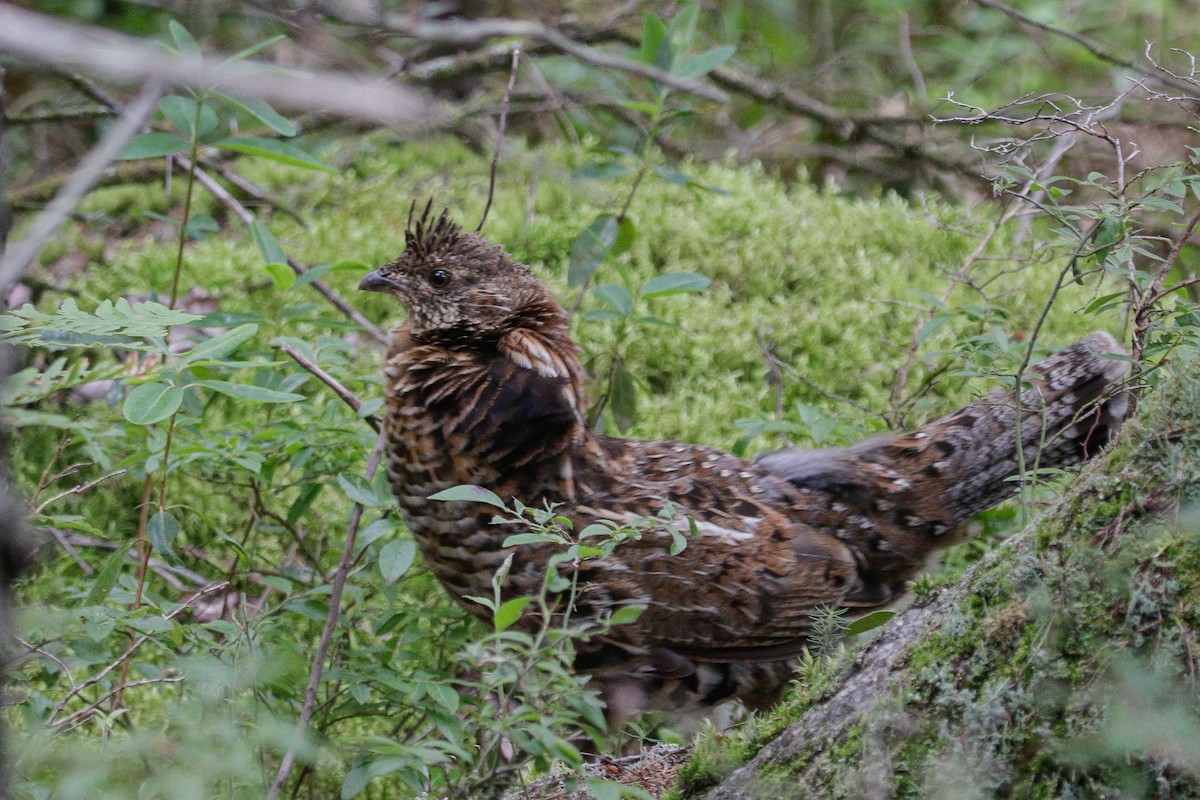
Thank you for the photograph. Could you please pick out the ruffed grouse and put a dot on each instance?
(484, 387)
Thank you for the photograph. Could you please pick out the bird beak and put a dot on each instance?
(377, 282)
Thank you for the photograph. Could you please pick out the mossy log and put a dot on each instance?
(1063, 665)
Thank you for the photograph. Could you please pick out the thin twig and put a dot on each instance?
(83, 487)
(247, 216)
(341, 391)
(1084, 42)
(465, 32)
(23, 253)
(774, 378)
(77, 717)
(129, 651)
(162, 569)
(335, 603)
(512, 79)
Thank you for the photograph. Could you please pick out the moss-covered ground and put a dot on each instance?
(1066, 664)
(839, 285)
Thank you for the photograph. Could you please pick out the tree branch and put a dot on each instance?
(64, 44)
(23, 253)
(473, 32)
(335, 603)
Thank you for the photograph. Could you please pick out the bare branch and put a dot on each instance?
(341, 391)
(23, 253)
(335, 605)
(129, 651)
(64, 44)
(1084, 42)
(475, 31)
(245, 215)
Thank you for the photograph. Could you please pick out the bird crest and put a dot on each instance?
(429, 235)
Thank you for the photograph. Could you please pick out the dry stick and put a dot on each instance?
(233, 204)
(335, 602)
(341, 391)
(774, 378)
(512, 79)
(78, 489)
(1080, 40)
(23, 253)
(472, 32)
(159, 567)
(82, 714)
(68, 45)
(129, 651)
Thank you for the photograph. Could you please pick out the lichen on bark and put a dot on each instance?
(1063, 665)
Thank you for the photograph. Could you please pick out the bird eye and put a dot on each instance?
(439, 278)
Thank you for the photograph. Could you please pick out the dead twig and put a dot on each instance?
(774, 378)
(245, 215)
(83, 487)
(335, 605)
(341, 391)
(66, 45)
(80, 716)
(512, 79)
(23, 253)
(129, 651)
(474, 31)
(1084, 42)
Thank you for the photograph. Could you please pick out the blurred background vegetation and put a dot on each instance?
(778, 222)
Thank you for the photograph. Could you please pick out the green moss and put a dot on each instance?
(1065, 666)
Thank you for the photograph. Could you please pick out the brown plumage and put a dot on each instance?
(484, 387)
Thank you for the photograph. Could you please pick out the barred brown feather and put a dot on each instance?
(484, 387)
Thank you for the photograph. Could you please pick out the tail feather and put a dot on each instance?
(963, 463)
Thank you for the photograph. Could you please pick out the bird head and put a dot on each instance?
(454, 284)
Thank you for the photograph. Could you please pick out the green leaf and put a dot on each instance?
(268, 245)
(310, 275)
(152, 144)
(273, 149)
(283, 276)
(654, 46)
(180, 111)
(703, 63)
(602, 789)
(246, 391)
(161, 531)
(443, 695)
(221, 346)
(603, 172)
(683, 25)
(674, 283)
(183, 40)
(357, 489)
(152, 402)
(262, 111)
(616, 296)
(590, 248)
(509, 612)
(470, 494)
(869, 622)
(626, 614)
(622, 397)
(199, 226)
(518, 539)
(395, 558)
(106, 578)
(254, 49)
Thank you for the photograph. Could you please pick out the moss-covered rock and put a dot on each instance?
(1062, 665)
